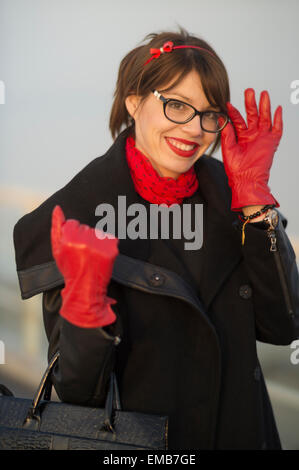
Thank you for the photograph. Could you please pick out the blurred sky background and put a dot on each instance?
(59, 61)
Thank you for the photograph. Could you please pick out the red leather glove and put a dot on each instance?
(86, 263)
(248, 151)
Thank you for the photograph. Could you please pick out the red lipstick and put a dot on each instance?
(180, 152)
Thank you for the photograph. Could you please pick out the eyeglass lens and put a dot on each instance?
(182, 112)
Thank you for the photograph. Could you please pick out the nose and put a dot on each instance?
(193, 127)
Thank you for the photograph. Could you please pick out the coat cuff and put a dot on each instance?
(39, 278)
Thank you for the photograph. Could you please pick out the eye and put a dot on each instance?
(210, 115)
(176, 106)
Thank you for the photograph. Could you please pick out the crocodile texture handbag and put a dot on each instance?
(42, 424)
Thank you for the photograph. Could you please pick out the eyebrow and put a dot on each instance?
(186, 98)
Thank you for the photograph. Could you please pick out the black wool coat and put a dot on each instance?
(186, 352)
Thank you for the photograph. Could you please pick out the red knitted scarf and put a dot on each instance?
(154, 188)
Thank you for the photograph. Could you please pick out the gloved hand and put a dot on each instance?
(248, 151)
(86, 263)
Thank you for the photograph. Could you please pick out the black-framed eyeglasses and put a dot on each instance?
(180, 112)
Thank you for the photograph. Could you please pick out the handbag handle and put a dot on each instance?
(33, 417)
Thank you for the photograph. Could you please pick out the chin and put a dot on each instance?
(180, 171)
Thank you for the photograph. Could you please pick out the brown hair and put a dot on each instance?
(138, 79)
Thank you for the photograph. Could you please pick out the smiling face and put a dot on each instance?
(171, 148)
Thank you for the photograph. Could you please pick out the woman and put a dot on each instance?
(179, 326)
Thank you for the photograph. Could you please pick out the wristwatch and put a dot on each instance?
(270, 222)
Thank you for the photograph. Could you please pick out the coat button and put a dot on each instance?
(245, 291)
(257, 373)
(156, 280)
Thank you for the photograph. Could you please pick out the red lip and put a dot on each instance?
(183, 153)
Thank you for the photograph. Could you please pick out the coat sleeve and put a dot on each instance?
(275, 284)
(87, 355)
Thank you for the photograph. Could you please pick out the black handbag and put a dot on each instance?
(42, 424)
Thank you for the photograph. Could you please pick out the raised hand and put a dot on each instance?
(86, 263)
(248, 150)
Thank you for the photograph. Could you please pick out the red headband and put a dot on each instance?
(168, 47)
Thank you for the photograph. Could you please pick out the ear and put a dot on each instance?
(132, 102)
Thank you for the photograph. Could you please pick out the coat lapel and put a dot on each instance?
(123, 185)
(221, 242)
